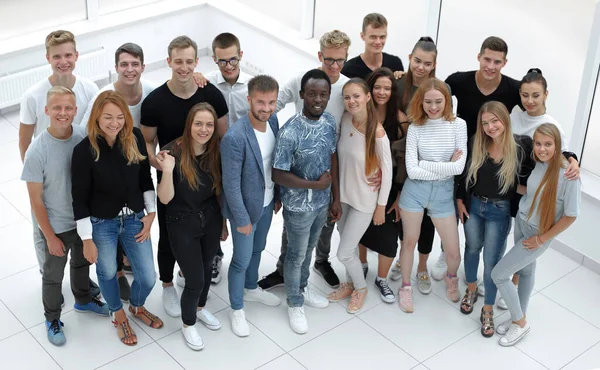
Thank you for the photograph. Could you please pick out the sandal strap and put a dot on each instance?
(469, 298)
(144, 312)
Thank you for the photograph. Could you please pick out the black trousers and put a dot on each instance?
(195, 239)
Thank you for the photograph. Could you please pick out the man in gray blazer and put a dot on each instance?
(250, 196)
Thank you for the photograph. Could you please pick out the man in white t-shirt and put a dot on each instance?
(129, 65)
(61, 54)
(334, 47)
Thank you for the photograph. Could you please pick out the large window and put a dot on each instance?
(19, 17)
(111, 6)
(590, 158)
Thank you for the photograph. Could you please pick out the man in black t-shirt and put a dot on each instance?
(374, 34)
(163, 117)
(474, 88)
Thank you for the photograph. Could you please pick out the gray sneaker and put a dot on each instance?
(423, 282)
(395, 273)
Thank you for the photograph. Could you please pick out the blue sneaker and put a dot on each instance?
(56, 335)
(95, 306)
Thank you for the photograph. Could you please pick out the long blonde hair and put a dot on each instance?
(512, 154)
(549, 184)
(129, 145)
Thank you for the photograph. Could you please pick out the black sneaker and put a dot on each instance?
(124, 289)
(94, 289)
(326, 271)
(386, 294)
(271, 281)
(216, 270)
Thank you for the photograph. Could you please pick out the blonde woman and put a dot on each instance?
(484, 195)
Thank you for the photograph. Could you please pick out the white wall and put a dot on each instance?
(549, 34)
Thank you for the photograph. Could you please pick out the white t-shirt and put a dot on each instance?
(266, 143)
(136, 110)
(236, 96)
(524, 124)
(33, 102)
(290, 93)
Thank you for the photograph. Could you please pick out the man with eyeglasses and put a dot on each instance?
(333, 54)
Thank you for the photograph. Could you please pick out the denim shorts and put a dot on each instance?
(437, 197)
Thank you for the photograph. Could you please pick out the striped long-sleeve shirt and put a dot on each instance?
(429, 148)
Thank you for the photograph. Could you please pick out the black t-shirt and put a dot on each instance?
(186, 199)
(470, 98)
(167, 112)
(356, 67)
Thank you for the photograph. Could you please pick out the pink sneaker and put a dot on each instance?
(357, 300)
(405, 299)
(452, 288)
(344, 291)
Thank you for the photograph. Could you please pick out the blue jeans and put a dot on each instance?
(486, 228)
(243, 271)
(105, 234)
(303, 232)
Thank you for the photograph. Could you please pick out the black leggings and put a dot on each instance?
(195, 238)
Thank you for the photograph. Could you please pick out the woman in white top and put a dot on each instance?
(436, 148)
(363, 149)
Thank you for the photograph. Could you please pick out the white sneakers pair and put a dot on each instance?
(297, 317)
(511, 333)
(239, 325)
(192, 336)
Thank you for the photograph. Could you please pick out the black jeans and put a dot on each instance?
(425, 243)
(54, 271)
(195, 238)
(165, 257)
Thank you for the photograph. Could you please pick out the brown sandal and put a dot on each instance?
(487, 323)
(466, 305)
(148, 318)
(124, 331)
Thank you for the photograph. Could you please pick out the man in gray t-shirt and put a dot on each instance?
(47, 171)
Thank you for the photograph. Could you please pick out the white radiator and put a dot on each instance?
(12, 86)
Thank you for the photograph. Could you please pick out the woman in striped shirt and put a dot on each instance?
(436, 146)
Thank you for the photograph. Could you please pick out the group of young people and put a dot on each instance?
(372, 149)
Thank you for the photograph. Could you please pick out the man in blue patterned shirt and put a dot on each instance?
(305, 166)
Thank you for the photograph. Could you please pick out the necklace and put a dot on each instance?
(357, 128)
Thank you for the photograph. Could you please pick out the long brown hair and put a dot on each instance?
(427, 45)
(390, 124)
(371, 161)
(549, 184)
(511, 153)
(129, 144)
(416, 113)
(183, 148)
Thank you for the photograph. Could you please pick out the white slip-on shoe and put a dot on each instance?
(514, 334)
(208, 319)
(192, 337)
(239, 325)
(261, 296)
(170, 300)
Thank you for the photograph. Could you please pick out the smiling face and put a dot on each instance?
(434, 103)
(544, 147)
(382, 91)
(491, 64)
(183, 62)
(262, 104)
(330, 59)
(129, 69)
(374, 39)
(62, 109)
(355, 99)
(111, 121)
(533, 98)
(492, 125)
(421, 63)
(316, 96)
(229, 72)
(203, 127)
(62, 58)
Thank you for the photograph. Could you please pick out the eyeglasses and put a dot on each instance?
(329, 62)
(232, 62)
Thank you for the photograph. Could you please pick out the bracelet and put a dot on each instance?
(538, 241)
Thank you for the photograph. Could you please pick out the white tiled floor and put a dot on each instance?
(564, 314)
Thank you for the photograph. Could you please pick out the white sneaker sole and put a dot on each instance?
(172, 314)
(387, 299)
(299, 330)
(513, 342)
(406, 310)
(195, 347)
(209, 325)
(216, 280)
(317, 305)
(424, 291)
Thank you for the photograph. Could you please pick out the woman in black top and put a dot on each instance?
(111, 187)
(497, 163)
(190, 187)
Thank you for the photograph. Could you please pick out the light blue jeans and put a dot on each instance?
(303, 232)
(105, 234)
(519, 261)
(243, 271)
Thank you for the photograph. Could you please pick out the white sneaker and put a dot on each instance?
(298, 320)
(180, 279)
(395, 273)
(500, 303)
(171, 301)
(481, 289)
(514, 334)
(503, 327)
(314, 299)
(239, 325)
(192, 337)
(208, 319)
(439, 270)
(261, 296)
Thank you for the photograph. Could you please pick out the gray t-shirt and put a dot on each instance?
(568, 196)
(48, 161)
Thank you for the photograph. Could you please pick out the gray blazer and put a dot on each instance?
(243, 173)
